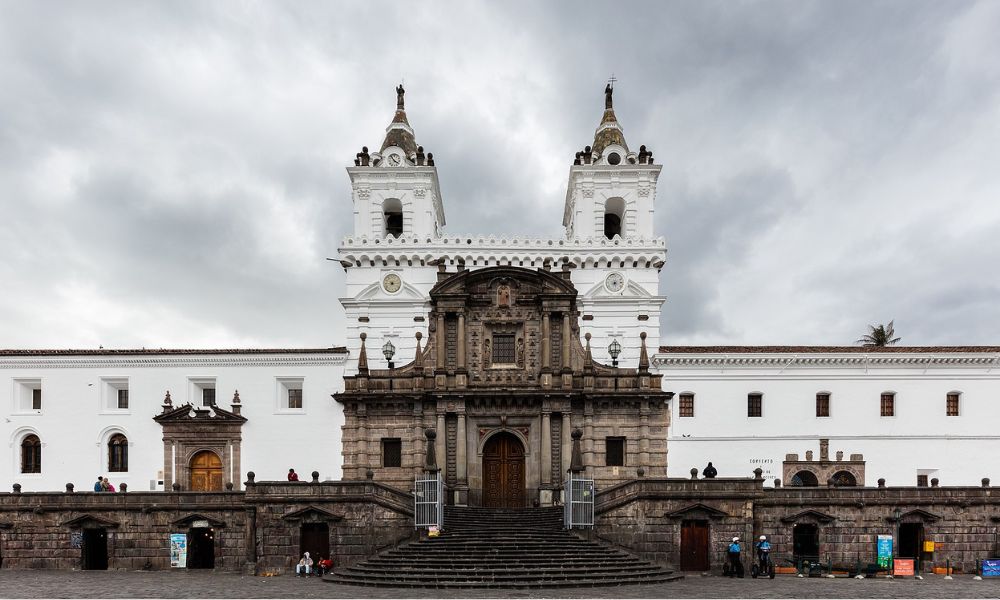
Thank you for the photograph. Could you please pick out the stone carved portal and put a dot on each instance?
(206, 472)
(503, 471)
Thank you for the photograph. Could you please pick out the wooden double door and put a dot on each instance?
(695, 545)
(206, 472)
(503, 472)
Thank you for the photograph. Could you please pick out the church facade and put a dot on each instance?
(494, 352)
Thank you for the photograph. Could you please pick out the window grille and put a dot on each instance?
(118, 453)
(687, 405)
(888, 405)
(503, 349)
(31, 454)
(294, 398)
(614, 452)
(392, 452)
(755, 405)
(921, 481)
(122, 398)
(208, 397)
(952, 405)
(36, 399)
(822, 405)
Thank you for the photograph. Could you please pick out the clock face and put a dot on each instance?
(391, 283)
(615, 282)
(394, 160)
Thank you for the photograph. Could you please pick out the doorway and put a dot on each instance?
(503, 472)
(201, 548)
(314, 538)
(805, 542)
(694, 545)
(95, 549)
(911, 540)
(206, 472)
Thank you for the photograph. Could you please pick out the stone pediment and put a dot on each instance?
(808, 515)
(190, 519)
(188, 412)
(375, 293)
(311, 513)
(696, 510)
(89, 521)
(481, 282)
(632, 290)
(919, 514)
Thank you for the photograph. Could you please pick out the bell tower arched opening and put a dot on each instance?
(614, 215)
(392, 213)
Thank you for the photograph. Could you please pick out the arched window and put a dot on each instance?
(844, 479)
(392, 212)
(804, 479)
(118, 453)
(31, 454)
(614, 213)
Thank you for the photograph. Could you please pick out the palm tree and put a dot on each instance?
(880, 336)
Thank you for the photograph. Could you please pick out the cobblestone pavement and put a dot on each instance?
(200, 584)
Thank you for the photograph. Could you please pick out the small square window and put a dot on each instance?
(202, 390)
(822, 404)
(952, 405)
(888, 404)
(921, 480)
(686, 405)
(503, 349)
(614, 455)
(755, 405)
(208, 397)
(123, 399)
(392, 452)
(28, 396)
(294, 398)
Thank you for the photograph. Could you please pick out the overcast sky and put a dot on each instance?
(173, 175)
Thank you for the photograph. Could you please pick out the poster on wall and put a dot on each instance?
(885, 551)
(76, 539)
(991, 567)
(178, 550)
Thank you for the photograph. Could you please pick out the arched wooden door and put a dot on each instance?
(206, 472)
(503, 472)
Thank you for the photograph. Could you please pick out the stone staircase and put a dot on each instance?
(502, 548)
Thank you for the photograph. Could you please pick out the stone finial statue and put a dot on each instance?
(608, 90)
(399, 96)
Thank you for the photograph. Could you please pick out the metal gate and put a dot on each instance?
(428, 505)
(578, 510)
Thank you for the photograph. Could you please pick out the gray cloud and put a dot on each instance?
(173, 174)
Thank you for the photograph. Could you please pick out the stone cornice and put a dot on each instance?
(920, 360)
(133, 362)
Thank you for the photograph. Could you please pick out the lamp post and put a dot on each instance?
(614, 349)
(389, 350)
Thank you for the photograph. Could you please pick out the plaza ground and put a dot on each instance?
(205, 584)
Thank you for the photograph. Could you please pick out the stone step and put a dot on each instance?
(459, 585)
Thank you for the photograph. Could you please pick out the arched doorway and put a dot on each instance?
(805, 479)
(206, 472)
(503, 472)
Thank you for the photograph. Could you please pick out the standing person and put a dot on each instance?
(292, 475)
(735, 561)
(709, 472)
(98, 487)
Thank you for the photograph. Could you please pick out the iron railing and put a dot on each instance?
(578, 509)
(428, 501)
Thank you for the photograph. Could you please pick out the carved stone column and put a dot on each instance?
(588, 433)
(567, 444)
(362, 432)
(460, 350)
(461, 460)
(440, 444)
(546, 449)
(439, 341)
(566, 363)
(546, 349)
(644, 435)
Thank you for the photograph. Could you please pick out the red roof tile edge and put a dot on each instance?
(173, 351)
(825, 349)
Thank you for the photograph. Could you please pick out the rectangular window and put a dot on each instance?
(36, 399)
(208, 397)
(392, 452)
(822, 405)
(921, 481)
(503, 349)
(294, 398)
(614, 448)
(952, 408)
(888, 405)
(687, 405)
(755, 405)
(122, 399)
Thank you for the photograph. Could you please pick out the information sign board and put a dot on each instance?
(903, 567)
(178, 550)
(991, 567)
(884, 551)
